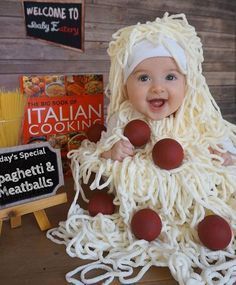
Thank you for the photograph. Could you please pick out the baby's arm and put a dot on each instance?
(119, 151)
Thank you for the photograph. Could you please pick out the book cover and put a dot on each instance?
(60, 109)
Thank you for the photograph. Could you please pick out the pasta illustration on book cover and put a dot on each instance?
(60, 109)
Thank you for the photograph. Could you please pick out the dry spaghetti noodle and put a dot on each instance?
(11, 116)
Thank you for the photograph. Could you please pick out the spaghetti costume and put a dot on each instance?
(182, 196)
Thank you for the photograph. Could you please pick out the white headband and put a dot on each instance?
(146, 49)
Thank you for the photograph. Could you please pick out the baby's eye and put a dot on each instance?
(171, 77)
(143, 77)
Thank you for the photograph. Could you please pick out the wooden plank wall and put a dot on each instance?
(214, 20)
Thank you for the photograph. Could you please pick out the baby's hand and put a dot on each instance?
(119, 151)
(227, 157)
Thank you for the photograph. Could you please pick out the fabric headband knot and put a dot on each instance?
(146, 49)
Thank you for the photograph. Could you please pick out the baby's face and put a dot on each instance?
(156, 87)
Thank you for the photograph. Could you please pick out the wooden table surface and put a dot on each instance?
(27, 257)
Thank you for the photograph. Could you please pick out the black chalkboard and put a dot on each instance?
(29, 172)
(57, 22)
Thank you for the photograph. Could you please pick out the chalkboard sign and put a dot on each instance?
(55, 21)
(29, 172)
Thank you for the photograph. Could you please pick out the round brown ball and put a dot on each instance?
(214, 232)
(94, 132)
(101, 202)
(167, 154)
(138, 132)
(146, 224)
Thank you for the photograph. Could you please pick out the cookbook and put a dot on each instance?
(60, 109)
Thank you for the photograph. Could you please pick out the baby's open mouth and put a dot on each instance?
(157, 103)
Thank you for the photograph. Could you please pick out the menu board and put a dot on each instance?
(56, 21)
(29, 172)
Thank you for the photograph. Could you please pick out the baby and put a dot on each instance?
(155, 85)
(155, 76)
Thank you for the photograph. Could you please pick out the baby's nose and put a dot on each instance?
(157, 87)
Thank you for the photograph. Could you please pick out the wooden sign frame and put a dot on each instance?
(36, 207)
(77, 2)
